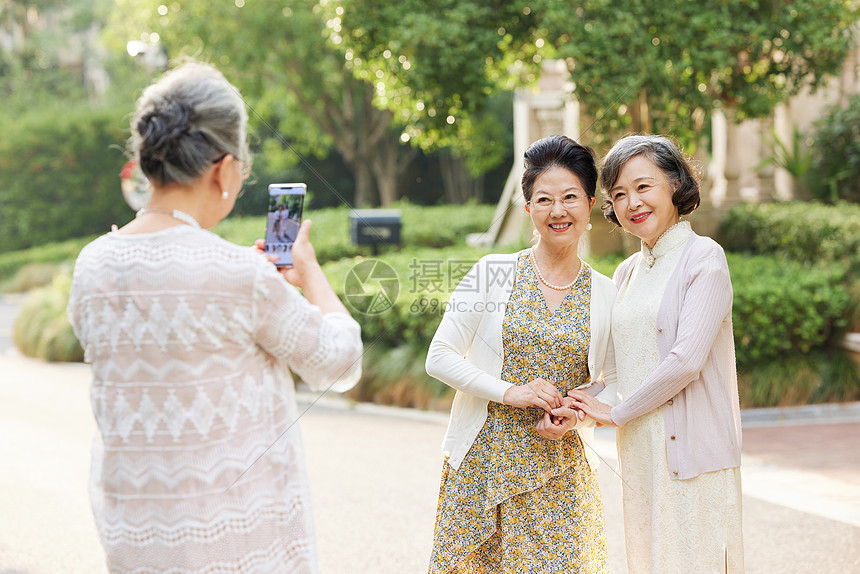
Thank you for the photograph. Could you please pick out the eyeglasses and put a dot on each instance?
(568, 200)
(245, 166)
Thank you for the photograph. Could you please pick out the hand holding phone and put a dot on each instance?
(286, 202)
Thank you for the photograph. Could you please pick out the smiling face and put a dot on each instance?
(642, 200)
(559, 207)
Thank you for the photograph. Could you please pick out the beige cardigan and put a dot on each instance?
(466, 351)
(696, 382)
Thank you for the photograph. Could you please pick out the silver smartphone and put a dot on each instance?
(286, 201)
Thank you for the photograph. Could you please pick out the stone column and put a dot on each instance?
(765, 175)
(733, 161)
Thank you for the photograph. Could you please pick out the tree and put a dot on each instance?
(649, 65)
(430, 62)
(294, 82)
(44, 51)
(675, 61)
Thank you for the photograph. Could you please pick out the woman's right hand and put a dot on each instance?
(537, 393)
(305, 265)
(600, 412)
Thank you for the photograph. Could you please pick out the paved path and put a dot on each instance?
(374, 473)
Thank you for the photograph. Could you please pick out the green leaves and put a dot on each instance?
(783, 307)
(61, 176)
(836, 145)
(645, 64)
(805, 232)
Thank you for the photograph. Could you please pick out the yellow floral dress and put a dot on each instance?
(520, 503)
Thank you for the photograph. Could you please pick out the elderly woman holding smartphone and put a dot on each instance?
(197, 462)
(519, 331)
(679, 431)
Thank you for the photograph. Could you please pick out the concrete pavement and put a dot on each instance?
(374, 473)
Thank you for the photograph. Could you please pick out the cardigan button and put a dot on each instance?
(671, 402)
(672, 437)
(659, 330)
(675, 473)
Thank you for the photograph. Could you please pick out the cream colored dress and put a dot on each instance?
(671, 526)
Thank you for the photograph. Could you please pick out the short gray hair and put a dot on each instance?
(665, 155)
(185, 121)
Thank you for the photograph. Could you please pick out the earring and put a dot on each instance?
(588, 227)
(224, 195)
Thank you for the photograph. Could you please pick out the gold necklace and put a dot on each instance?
(547, 283)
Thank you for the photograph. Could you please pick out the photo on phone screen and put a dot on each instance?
(286, 201)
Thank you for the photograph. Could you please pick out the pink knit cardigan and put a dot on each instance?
(696, 381)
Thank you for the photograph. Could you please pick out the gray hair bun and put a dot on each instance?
(186, 120)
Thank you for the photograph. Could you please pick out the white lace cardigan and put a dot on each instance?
(197, 462)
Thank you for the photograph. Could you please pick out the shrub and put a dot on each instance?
(396, 376)
(437, 226)
(782, 307)
(854, 310)
(796, 378)
(42, 329)
(425, 278)
(836, 142)
(11, 263)
(61, 176)
(802, 231)
(30, 276)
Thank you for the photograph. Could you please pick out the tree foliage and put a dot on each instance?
(298, 90)
(647, 65)
(39, 67)
(438, 66)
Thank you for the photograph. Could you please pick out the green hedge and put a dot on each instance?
(12, 262)
(436, 226)
(782, 307)
(802, 231)
(822, 376)
(61, 177)
(330, 234)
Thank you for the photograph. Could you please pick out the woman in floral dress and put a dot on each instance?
(517, 492)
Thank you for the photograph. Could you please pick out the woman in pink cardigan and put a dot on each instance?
(679, 430)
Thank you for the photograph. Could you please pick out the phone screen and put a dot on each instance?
(286, 201)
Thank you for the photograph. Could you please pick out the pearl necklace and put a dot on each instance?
(547, 283)
(651, 259)
(174, 213)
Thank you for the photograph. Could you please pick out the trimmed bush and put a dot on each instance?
(436, 226)
(782, 307)
(42, 329)
(854, 311)
(61, 177)
(796, 379)
(396, 376)
(30, 276)
(13, 262)
(802, 231)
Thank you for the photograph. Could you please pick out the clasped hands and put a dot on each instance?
(560, 413)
